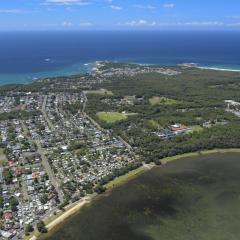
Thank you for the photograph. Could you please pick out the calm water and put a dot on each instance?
(28, 55)
(192, 198)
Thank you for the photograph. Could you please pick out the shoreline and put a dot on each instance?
(28, 78)
(219, 69)
(68, 213)
(80, 68)
(74, 208)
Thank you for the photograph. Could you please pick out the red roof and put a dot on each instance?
(8, 216)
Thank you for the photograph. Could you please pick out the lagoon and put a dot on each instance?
(191, 198)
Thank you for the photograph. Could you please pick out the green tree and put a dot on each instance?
(41, 227)
(28, 229)
(99, 189)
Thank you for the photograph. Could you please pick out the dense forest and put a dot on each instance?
(199, 96)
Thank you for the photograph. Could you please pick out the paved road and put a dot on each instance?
(86, 115)
(49, 171)
(127, 145)
(85, 101)
(45, 113)
(45, 163)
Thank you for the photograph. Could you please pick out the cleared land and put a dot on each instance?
(162, 101)
(102, 92)
(111, 117)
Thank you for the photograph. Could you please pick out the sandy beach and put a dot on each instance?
(68, 213)
(219, 69)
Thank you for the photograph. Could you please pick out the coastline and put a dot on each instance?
(26, 78)
(80, 67)
(219, 69)
(69, 211)
(74, 208)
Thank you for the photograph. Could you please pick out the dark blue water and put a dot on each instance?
(28, 55)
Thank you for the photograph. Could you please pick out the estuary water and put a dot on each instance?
(26, 56)
(190, 198)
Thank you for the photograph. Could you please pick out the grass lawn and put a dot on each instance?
(196, 154)
(128, 176)
(196, 128)
(102, 92)
(3, 158)
(162, 101)
(152, 124)
(111, 117)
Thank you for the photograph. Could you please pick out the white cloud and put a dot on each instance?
(201, 24)
(233, 17)
(49, 25)
(67, 24)
(85, 24)
(140, 23)
(169, 5)
(150, 7)
(145, 23)
(234, 24)
(12, 11)
(114, 7)
(192, 24)
(67, 2)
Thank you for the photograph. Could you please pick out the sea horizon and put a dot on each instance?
(40, 55)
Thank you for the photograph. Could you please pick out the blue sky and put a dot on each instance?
(119, 14)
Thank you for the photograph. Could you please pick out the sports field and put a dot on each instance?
(111, 117)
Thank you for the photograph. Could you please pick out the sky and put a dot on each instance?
(118, 14)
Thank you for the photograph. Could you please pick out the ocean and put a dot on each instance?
(26, 56)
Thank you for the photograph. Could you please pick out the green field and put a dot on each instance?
(196, 128)
(152, 124)
(111, 117)
(128, 176)
(162, 101)
(3, 158)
